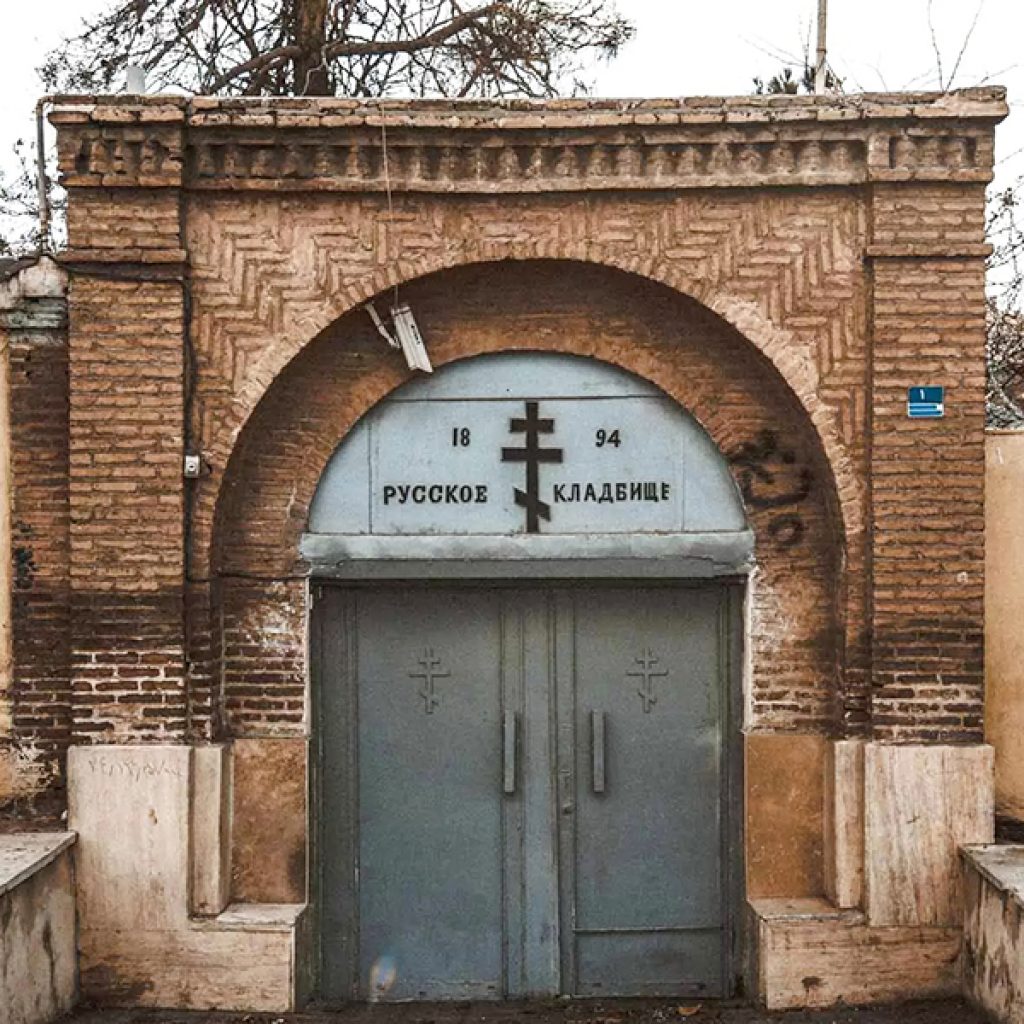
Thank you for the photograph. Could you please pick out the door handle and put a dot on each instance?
(508, 731)
(597, 750)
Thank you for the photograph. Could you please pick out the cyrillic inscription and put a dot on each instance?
(434, 494)
(611, 493)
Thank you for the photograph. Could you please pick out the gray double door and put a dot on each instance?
(523, 791)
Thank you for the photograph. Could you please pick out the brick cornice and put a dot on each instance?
(338, 145)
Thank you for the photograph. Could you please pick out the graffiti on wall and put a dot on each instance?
(772, 480)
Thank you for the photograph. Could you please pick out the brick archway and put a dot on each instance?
(645, 328)
(798, 371)
(807, 624)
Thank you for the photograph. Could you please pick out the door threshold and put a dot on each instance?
(538, 1010)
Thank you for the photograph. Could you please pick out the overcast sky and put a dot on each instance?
(689, 48)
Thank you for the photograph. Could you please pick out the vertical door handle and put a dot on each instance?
(509, 745)
(597, 749)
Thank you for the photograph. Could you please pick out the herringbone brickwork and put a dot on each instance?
(784, 269)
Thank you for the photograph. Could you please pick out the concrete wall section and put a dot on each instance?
(994, 930)
(38, 969)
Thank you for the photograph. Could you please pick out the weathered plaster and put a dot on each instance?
(1004, 599)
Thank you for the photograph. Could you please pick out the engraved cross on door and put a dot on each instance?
(647, 673)
(430, 671)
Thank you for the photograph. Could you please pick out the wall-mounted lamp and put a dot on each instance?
(408, 339)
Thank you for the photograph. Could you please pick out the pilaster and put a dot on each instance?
(927, 256)
(127, 367)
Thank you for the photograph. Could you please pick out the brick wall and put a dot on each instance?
(927, 477)
(127, 522)
(40, 688)
(928, 498)
(785, 268)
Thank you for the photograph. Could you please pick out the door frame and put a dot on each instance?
(731, 640)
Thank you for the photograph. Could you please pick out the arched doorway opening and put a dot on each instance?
(528, 572)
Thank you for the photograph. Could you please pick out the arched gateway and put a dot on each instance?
(511, 764)
(528, 743)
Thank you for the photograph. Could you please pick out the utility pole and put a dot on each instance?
(820, 77)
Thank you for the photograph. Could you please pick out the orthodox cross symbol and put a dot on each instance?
(533, 455)
(430, 672)
(647, 673)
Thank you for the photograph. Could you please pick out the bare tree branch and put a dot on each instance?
(935, 47)
(350, 47)
(1005, 340)
(966, 42)
(344, 48)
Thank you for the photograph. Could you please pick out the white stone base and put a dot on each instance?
(898, 817)
(248, 958)
(139, 945)
(921, 805)
(135, 809)
(811, 955)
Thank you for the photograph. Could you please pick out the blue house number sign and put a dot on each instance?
(926, 403)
